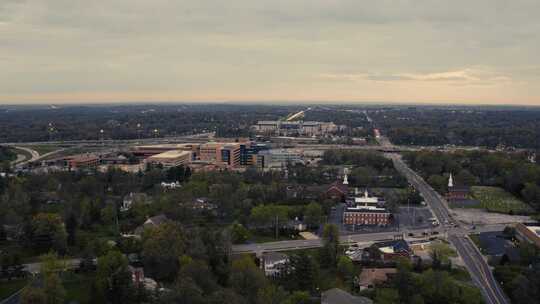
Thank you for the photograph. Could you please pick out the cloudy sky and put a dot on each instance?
(459, 51)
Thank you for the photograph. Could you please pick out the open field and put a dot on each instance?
(496, 199)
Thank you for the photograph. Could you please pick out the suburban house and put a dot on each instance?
(151, 222)
(132, 198)
(339, 296)
(273, 263)
(370, 277)
(139, 280)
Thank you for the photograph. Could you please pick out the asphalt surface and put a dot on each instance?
(458, 236)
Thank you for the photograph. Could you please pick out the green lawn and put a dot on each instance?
(8, 288)
(496, 199)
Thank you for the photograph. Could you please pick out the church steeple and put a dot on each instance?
(450, 181)
(345, 180)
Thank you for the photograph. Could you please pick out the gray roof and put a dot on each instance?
(338, 296)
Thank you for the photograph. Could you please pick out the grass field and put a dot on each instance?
(496, 199)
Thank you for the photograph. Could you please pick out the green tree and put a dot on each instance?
(162, 246)
(239, 233)
(329, 251)
(113, 278)
(313, 214)
(346, 269)
(271, 294)
(247, 279)
(298, 297)
(46, 231)
(386, 296)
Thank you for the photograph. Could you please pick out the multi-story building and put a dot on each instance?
(150, 150)
(230, 154)
(372, 216)
(278, 158)
(170, 158)
(366, 210)
(82, 161)
(249, 152)
(310, 128)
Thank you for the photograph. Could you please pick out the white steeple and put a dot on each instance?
(345, 180)
(450, 181)
(366, 195)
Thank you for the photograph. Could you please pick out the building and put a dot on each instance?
(370, 277)
(134, 198)
(249, 152)
(529, 232)
(337, 191)
(307, 128)
(83, 161)
(230, 154)
(273, 263)
(339, 296)
(171, 158)
(370, 216)
(151, 150)
(366, 210)
(459, 196)
(278, 158)
(389, 250)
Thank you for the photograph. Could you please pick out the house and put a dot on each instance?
(339, 296)
(139, 280)
(203, 204)
(132, 198)
(172, 185)
(337, 191)
(273, 263)
(529, 232)
(151, 222)
(370, 277)
(387, 251)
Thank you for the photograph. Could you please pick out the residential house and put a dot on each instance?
(370, 277)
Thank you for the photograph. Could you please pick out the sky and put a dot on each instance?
(424, 51)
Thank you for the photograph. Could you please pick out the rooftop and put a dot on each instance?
(171, 154)
(371, 276)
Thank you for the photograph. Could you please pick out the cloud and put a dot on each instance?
(253, 49)
(466, 76)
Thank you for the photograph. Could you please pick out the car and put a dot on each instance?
(435, 232)
(411, 234)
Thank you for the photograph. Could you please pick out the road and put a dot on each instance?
(458, 236)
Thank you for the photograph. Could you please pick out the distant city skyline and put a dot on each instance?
(303, 51)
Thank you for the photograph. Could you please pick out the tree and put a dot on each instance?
(298, 297)
(386, 296)
(239, 233)
(312, 214)
(346, 269)
(113, 278)
(33, 295)
(330, 248)
(301, 273)
(271, 294)
(162, 246)
(46, 231)
(246, 278)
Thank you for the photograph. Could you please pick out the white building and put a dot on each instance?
(273, 263)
